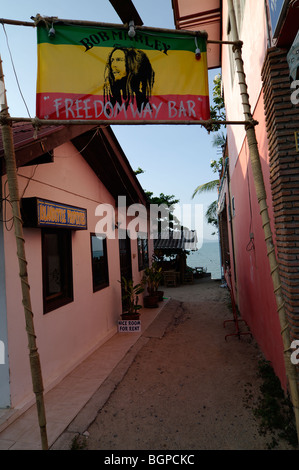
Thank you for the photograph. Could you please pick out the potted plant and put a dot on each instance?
(152, 277)
(130, 294)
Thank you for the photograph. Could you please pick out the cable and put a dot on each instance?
(250, 246)
(78, 151)
(29, 179)
(5, 220)
(13, 66)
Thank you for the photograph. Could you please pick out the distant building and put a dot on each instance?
(269, 32)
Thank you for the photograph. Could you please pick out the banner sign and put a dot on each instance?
(88, 73)
(39, 213)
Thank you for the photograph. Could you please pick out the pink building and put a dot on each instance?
(268, 30)
(64, 175)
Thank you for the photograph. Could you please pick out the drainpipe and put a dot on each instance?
(262, 200)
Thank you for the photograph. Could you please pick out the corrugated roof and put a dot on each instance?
(24, 134)
(187, 241)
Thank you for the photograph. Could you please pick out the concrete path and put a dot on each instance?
(179, 384)
(19, 429)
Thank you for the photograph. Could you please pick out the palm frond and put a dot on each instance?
(206, 187)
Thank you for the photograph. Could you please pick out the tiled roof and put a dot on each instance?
(35, 146)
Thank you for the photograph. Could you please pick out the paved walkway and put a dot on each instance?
(19, 430)
(191, 367)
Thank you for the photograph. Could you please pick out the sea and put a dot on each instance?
(207, 257)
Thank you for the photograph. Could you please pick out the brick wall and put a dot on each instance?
(282, 120)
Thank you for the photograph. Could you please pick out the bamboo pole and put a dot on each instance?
(124, 26)
(262, 199)
(49, 20)
(11, 172)
(36, 122)
(16, 22)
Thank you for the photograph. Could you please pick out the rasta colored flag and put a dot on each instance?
(88, 73)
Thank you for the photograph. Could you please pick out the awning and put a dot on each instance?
(187, 241)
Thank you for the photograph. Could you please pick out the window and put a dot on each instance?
(142, 247)
(99, 260)
(57, 268)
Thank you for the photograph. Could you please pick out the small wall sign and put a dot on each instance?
(37, 212)
(129, 326)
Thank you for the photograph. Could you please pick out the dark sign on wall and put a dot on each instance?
(37, 212)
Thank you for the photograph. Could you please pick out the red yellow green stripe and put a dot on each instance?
(68, 106)
(72, 76)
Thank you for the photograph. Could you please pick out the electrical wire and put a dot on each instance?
(78, 151)
(29, 180)
(6, 200)
(14, 69)
(250, 246)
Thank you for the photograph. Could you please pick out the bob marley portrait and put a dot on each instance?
(129, 77)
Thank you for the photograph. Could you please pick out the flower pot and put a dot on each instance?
(150, 301)
(160, 294)
(130, 316)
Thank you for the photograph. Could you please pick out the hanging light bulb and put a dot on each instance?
(131, 31)
(197, 54)
(197, 50)
(51, 32)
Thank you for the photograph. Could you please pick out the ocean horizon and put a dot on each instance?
(207, 257)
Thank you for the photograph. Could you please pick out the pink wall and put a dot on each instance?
(253, 288)
(65, 336)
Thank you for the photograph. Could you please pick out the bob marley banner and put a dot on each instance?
(88, 73)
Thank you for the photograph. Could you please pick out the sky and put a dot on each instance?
(175, 158)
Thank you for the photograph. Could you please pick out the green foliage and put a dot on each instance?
(206, 187)
(167, 200)
(138, 171)
(130, 293)
(211, 214)
(217, 113)
(78, 443)
(217, 110)
(153, 276)
(274, 409)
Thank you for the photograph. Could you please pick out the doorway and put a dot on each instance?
(125, 259)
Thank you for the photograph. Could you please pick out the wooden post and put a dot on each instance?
(262, 200)
(11, 171)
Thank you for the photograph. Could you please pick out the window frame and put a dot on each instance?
(105, 283)
(143, 260)
(66, 295)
